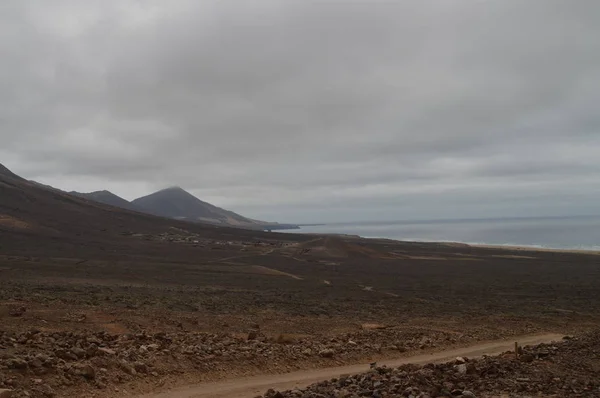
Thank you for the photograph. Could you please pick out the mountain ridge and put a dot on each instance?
(107, 198)
(173, 202)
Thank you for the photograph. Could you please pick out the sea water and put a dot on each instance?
(578, 233)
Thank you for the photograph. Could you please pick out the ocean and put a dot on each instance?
(575, 233)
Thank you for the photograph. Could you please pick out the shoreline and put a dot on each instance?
(508, 247)
(591, 249)
(534, 248)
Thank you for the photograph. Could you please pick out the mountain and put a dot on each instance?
(177, 203)
(39, 219)
(107, 198)
(7, 174)
(174, 203)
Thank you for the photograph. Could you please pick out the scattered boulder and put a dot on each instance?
(106, 351)
(327, 353)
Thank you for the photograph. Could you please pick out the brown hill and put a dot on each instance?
(34, 218)
(107, 198)
(177, 203)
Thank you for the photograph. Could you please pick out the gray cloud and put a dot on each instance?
(309, 110)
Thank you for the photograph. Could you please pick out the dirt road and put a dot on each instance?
(252, 386)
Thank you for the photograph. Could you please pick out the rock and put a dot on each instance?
(542, 353)
(17, 363)
(47, 391)
(6, 393)
(35, 363)
(106, 351)
(17, 312)
(66, 355)
(462, 368)
(92, 350)
(127, 368)
(140, 367)
(468, 394)
(88, 372)
(327, 353)
(526, 358)
(80, 353)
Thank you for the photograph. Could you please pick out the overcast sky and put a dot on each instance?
(310, 111)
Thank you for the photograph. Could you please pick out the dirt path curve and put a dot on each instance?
(249, 387)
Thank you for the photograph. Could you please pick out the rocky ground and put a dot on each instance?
(149, 311)
(96, 300)
(567, 369)
(48, 364)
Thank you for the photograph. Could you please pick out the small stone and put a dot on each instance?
(106, 351)
(468, 394)
(88, 372)
(153, 347)
(127, 368)
(526, 358)
(543, 353)
(47, 391)
(17, 312)
(140, 367)
(17, 363)
(462, 368)
(80, 353)
(327, 353)
(35, 363)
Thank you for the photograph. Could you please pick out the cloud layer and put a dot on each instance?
(303, 110)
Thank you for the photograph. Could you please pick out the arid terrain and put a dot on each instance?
(556, 369)
(97, 301)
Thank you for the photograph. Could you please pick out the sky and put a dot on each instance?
(310, 111)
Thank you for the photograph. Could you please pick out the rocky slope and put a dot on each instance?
(177, 203)
(41, 364)
(107, 198)
(567, 369)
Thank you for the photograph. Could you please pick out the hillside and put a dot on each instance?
(174, 203)
(36, 218)
(179, 204)
(107, 198)
(106, 300)
(7, 174)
